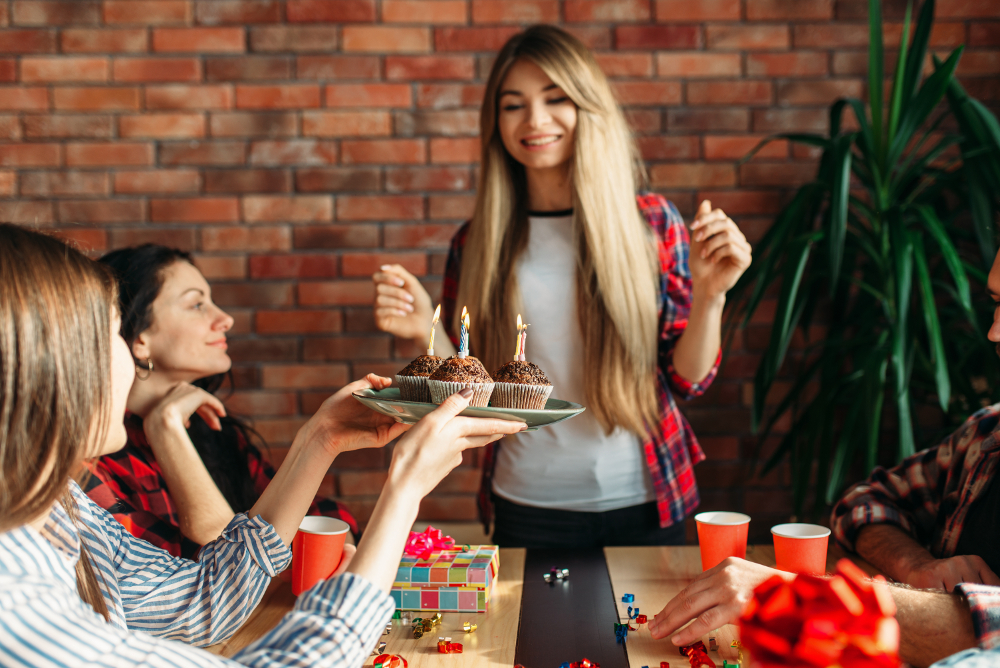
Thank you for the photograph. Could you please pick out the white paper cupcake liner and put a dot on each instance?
(442, 389)
(413, 388)
(515, 395)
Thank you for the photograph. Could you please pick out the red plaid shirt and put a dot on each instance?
(673, 450)
(130, 485)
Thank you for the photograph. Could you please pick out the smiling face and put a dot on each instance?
(187, 337)
(537, 121)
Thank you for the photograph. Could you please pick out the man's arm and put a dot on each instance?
(932, 625)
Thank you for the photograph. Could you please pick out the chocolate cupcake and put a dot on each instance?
(456, 373)
(412, 380)
(520, 384)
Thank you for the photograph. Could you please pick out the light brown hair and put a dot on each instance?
(55, 376)
(617, 272)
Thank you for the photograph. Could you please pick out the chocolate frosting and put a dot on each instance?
(522, 373)
(458, 370)
(421, 366)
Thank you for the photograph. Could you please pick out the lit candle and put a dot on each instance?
(524, 342)
(463, 339)
(517, 346)
(430, 344)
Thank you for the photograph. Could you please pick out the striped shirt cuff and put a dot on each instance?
(261, 540)
(984, 604)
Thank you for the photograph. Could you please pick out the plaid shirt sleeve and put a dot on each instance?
(909, 495)
(984, 604)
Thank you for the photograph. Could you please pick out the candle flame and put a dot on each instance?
(519, 322)
(465, 319)
(437, 314)
(517, 346)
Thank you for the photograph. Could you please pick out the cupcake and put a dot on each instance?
(520, 384)
(456, 373)
(412, 380)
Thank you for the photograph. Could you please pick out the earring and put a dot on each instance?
(148, 368)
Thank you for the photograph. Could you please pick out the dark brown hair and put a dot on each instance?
(55, 377)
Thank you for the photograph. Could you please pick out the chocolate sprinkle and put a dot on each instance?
(458, 370)
(424, 365)
(522, 373)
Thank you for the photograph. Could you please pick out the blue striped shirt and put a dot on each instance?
(156, 599)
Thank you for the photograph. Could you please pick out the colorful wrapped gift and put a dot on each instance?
(447, 580)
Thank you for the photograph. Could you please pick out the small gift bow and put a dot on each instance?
(845, 620)
(389, 661)
(421, 545)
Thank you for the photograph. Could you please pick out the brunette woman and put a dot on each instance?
(76, 589)
(188, 466)
(625, 310)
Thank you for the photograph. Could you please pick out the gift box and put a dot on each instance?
(447, 581)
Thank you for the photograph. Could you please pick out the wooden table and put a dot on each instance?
(653, 574)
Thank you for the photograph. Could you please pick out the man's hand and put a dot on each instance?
(946, 573)
(716, 597)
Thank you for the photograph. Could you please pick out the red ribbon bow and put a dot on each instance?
(421, 545)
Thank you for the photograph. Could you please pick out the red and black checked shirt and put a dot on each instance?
(130, 485)
(673, 450)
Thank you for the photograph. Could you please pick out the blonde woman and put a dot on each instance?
(625, 313)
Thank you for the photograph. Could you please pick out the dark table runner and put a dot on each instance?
(568, 620)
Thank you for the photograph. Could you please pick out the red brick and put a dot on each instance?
(346, 123)
(63, 68)
(30, 155)
(331, 349)
(782, 10)
(698, 64)
(700, 120)
(943, 35)
(453, 507)
(247, 68)
(147, 12)
(383, 39)
(289, 96)
(253, 403)
(101, 154)
(664, 147)
(644, 121)
(419, 179)
(156, 69)
(658, 37)
(277, 124)
(337, 237)
(817, 93)
(446, 150)
(293, 266)
(162, 126)
(515, 11)
(65, 126)
(743, 201)
(448, 96)
(984, 33)
(723, 147)
(747, 37)
(195, 210)
(10, 127)
(64, 184)
(419, 236)
(337, 67)
(377, 151)
(830, 35)
(966, 9)
(8, 70)
(24, 98)
(473, 39)
(335, 179)
(794, 64)
(292, 152)
(782, 174)
(87, 241)
(450, 123)
(410, 68)
(424, 11)
(55, 12)
(790, 120)
(614, 11)
(654, 93)
(199, 40)
(336, 11)
(202, 153)
(213, 12)
(158, 181)
(369, 95)
(101, 211)
(27, 41)
(287, 208)
(296, 376)
(222, 267)
(258, 294)
(299, 322)
(364, 264)
(752, 93)
(380, 207)
(979, 63)
(183, 238)
(103, 40)
(247, 180)
(242, 238)
(593, 37)
(625, 64)
(293, 38)
(5, 15)
(451, 207)
(189, 97)
(25, 212)
(692, 175)
(671, 11)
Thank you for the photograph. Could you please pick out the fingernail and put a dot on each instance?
(399, 282)
(409, 298)
(384, 267)
(466, 393)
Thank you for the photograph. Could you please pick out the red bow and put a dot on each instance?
(421, 545)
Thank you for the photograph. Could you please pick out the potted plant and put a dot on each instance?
(882, 247)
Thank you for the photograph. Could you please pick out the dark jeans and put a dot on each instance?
(525, 526)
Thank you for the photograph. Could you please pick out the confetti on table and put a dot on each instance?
(469, 627)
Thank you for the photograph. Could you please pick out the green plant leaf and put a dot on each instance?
(929, 307)
(802, 138)
(840, 186)
(949, 253)
(902, 250)
(896, 100)
(875, 74)
(918, 50)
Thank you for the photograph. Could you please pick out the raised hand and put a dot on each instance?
(402, 306)
(344, 423)
(183, 401)
(720, 253)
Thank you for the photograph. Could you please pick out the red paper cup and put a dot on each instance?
(316, 550)
(721, 535)
(800, 548)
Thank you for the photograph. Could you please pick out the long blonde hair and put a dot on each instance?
(617, 271)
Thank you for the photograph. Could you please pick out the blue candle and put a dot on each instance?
(463, 339)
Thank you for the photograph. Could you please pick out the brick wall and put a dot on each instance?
(295, 145)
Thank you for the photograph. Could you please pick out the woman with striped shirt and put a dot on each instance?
(77, 589)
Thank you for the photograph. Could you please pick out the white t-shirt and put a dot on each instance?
(572, 465)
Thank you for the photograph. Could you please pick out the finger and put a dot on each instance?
(703, 210)
(399, 271)
(988, 577)
(451, 406)
(717, 241)
(382, 277)
(398, 293)
(386, 315)
(345, 559)
(210, 418)
(690, 606)
(709, 227)
(705, 623)
(468, 426)
(385, 301)
(669, 620)
(378, 382)
(469, 442)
